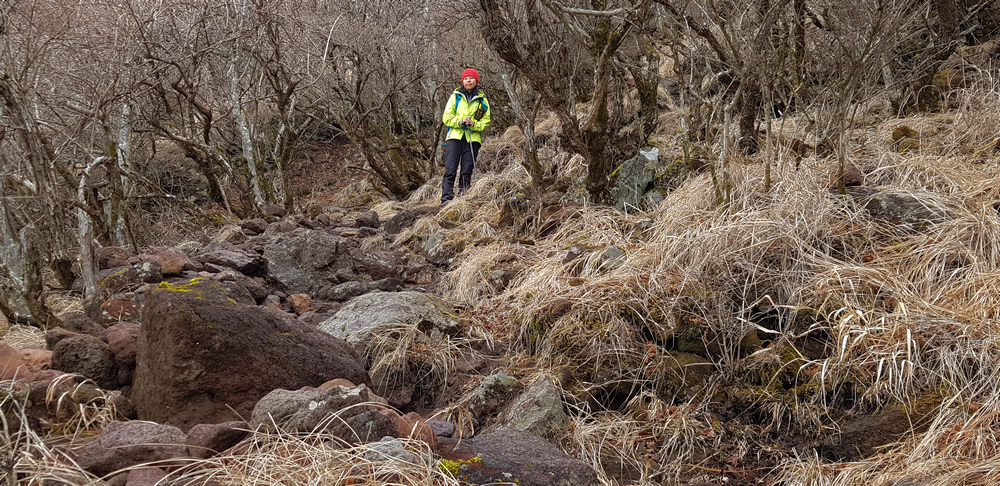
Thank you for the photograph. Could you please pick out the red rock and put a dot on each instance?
(414, 426)
(301, 303)
(204, 357)
(172, 261)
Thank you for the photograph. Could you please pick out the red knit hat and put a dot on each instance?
(471, 72)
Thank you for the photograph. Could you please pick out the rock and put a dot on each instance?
(437, 251)
(126, 444)
(56, 334)
(245, 261)
(207, 440)
(538, 411)
(512, 456)
(88, 356)
(112, 256)
(901, 207)
(391, 449)
(612, 258)
(307, 262)
(273, 302)
(636, 178)
(442, 428)
(258, 226)
(301, 303)
(123, 341)
(492, 395)
(127, 278)
(414, 426)
(205, 358)
(368, 219)
(400, 221)
(172, 261)
(79, 323)
(335, 411)
(54, 397)
(272, 210)
(364, 315)
(375, 263)
(145, 476)
(347, 290)
(34, 361)
(114, 311)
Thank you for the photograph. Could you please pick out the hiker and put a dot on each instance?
(466, 115)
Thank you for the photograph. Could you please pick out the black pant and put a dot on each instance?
(458, 153)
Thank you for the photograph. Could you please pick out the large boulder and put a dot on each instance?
(364, 315)
(513, 457)
(204, 357)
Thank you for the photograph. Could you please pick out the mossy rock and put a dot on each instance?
(903, 131)
(908, 145)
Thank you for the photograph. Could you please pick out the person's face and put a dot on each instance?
(469, 82)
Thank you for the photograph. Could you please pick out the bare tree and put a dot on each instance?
(381, 91)
(567, 52)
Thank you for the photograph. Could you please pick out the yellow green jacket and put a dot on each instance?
(458, 108)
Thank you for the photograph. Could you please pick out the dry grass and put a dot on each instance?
(315, 459)
(907, 310)
(262, 459)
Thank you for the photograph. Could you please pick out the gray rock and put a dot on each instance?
(390, 449)
(901, 207)
(636, 178)
(362, 316)
(368, 219)
(539, 410)
(246, 261)
(436, 251)
(492, 395)
(311, 410)
(515, 457)
(307, 262)
(442, 428)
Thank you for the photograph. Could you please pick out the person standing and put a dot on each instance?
(467, 115)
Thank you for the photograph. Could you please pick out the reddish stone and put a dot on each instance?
(414, 426)
(117, 310)
(301, 303)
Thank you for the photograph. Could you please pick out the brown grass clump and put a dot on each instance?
(287, 459)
